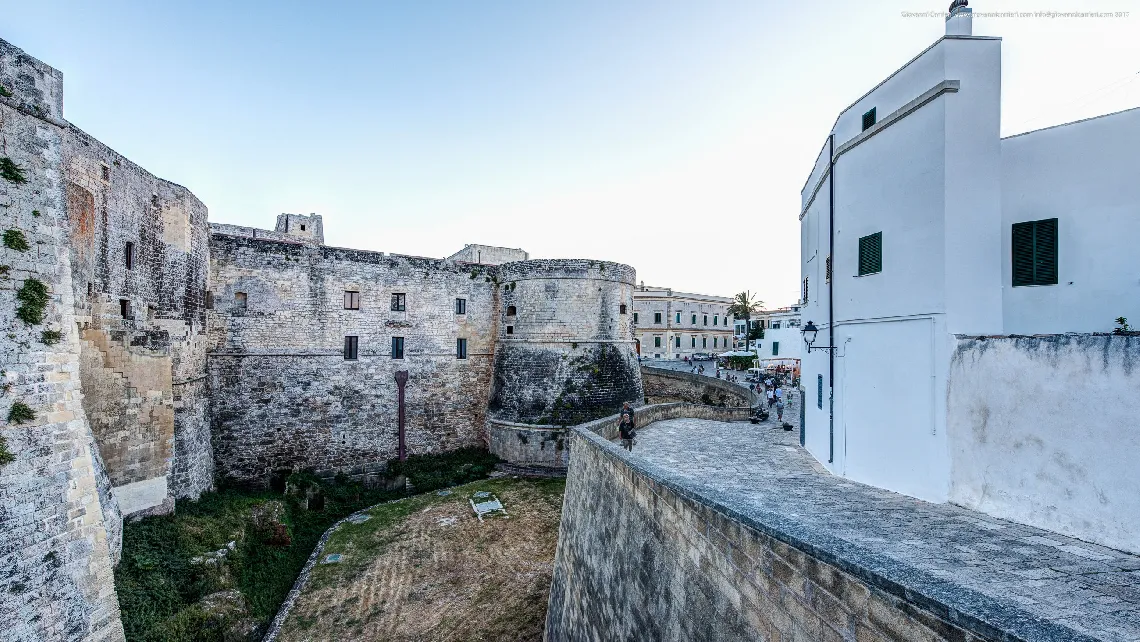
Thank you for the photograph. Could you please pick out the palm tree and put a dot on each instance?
(744, 305)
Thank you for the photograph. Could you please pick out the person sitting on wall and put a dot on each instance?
(625, 427)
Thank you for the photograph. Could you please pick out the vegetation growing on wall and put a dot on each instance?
(5, 92)
(15, 240)
(20, 413)
(181, 579)
(9, 170)
(33, 298)
(6, 456)
(51, 337)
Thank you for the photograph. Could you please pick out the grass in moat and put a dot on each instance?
(220, 567)
(426, 568)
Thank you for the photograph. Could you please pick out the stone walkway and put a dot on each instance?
(1012, 576)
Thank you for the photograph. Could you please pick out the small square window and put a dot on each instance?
(461, 348)
(510, 329)
(871, 254)
(511, 311)
(350, 345)
(130, 255)
(461, 306)
(351, 300)
(869, 119)
(397, 347)
(241, 300)
(302, 227)
(398, 302)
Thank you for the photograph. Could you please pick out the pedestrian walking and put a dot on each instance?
(780, 409)
(779, 394)
(626, 427)
(771, 397)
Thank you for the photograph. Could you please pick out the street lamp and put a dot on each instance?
(809, 332)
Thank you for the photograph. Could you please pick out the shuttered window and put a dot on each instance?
(819, 391)
(775, 348)
(871, 254)
(1034, 245)
(350, 348)
(870, 118)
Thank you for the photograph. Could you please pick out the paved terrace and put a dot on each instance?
(1029, 583)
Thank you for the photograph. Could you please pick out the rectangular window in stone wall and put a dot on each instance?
(677, 341)
(657, 317)
(635, 317)
(510, 329)
(461, 348)
(693, 342)
(461, 306)
(656, 342)
(350, 345)
(694, 321)
(716, 319)
(125, 308)
(398, 302)
(130, 255)
(397, 347)
(706, 320)
(715, 341)
(351, 300)
(704, 342)
(240, 300)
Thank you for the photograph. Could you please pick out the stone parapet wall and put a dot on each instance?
(56, 573)
(664, 386)
(641, 557)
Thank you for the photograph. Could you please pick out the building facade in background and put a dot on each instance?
(946, 238)
(675, 325)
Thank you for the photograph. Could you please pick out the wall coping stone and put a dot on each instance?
(980, 614)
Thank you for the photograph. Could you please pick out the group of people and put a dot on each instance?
(774, 395)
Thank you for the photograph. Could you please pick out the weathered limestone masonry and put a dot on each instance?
(285, 397)
(55, 558)
(641, 558)
(139, 266)
(566, 351)
(488, 255)
(663, 385)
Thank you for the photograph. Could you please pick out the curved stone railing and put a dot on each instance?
(548, 446)
(661, 384)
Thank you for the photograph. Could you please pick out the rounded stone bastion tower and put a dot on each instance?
(565, 353)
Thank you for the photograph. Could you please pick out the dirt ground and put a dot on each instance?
(427, 569)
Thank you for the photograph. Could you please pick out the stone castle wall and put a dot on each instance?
(284, 396)
(142, 371)
(566, 354)
(56, 556)
(663, 386)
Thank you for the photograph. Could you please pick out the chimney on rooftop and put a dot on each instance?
(960, 19)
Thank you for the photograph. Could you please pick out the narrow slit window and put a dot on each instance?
(90, 288)
(350, 346)
(398, 302)
(397, 347)
(125, 308)
(461, 306)
(461, 348)
(106, 173)
(351, 300)
(209, 300)
(805, 289)
(819, 392)
(130, 255)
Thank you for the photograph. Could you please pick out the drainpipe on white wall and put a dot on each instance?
(831, 298)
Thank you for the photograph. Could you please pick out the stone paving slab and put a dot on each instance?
(1025, 582)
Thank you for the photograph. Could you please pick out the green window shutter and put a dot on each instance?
(1045, 252)
(871, 254)
(775, 348)
(1033, 246)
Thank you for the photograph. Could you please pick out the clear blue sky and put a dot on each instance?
(671, 135)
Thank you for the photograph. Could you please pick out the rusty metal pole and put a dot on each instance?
(401, 380)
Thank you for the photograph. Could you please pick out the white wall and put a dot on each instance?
(1087, 175)
(1043, 431)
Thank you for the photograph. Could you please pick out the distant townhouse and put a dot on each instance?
(674, 325)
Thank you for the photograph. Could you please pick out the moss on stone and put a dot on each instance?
(20, 413)
(51, 337)
(15, 240)
(33, 297)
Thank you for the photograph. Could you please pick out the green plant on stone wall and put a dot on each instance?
(15, 240)
(33, 298)
(4, 92)
(20, 413)
(1122, 325)
(51, 337)
(9, 170)
(35, 213)
(6, 456)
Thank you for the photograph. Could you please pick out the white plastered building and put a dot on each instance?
(920, 225)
